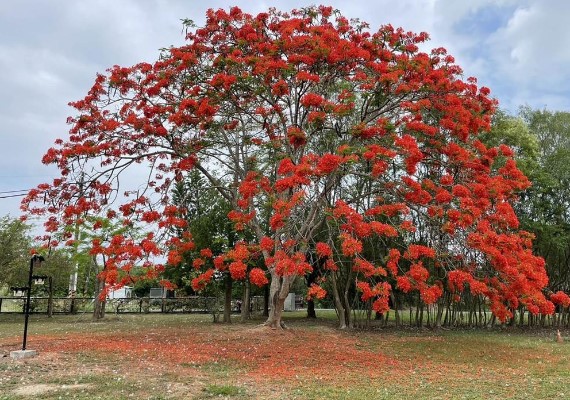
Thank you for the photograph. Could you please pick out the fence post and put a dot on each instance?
(50, 298)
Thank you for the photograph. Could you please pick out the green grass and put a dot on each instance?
(507, 363)
(223, 390)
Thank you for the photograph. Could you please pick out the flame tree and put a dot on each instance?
(322, 135)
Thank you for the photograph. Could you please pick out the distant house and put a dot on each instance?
(121, 293)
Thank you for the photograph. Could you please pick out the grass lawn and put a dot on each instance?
(188, 357)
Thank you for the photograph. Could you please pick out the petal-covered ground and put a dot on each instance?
(182, 358)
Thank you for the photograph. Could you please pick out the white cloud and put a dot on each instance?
(535, 43)
(526, 59)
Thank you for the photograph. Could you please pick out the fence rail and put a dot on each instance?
(68, 305)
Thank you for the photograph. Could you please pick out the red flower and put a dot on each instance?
(404, 284)
(206, 253)
(238, 270)
(416, 251)
(328, 163)
(202, 280)
(350, 246)
(219, 263)
(257, 277)
(323, 250)
(296, 136)
(266, 244)
(312, 100)
(316, 291)
(560, 298)
(430, 294)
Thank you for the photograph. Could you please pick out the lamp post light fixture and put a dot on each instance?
(35, 261)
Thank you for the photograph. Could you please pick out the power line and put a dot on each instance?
(13, 191)
(7, 194)
(13, 195)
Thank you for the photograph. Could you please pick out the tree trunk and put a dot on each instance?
(310, 279)
(338, 303)
(228, 299)
(396, 308)
(99, 305)
(278, 292)
(246, 304)
(311, 309)
(84, 292)
(266, 301)
(349, 318)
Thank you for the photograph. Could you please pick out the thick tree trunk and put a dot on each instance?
(278, 292)
(275, 313)
(228, 299)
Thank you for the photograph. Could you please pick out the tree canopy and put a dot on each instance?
(325, 138)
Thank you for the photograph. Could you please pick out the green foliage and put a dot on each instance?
(207, 215)
(207, 212)
(15, 245)
(58, 265)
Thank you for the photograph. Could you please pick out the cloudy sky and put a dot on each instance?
(50, 51)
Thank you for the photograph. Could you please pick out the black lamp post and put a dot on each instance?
(35, 260)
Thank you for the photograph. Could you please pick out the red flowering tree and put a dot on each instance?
(322, 135)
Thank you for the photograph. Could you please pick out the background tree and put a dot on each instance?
(206, 212)
(545, 207)
(15, 246)
(298, 119)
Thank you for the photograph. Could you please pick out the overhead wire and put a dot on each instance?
(6, 194)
